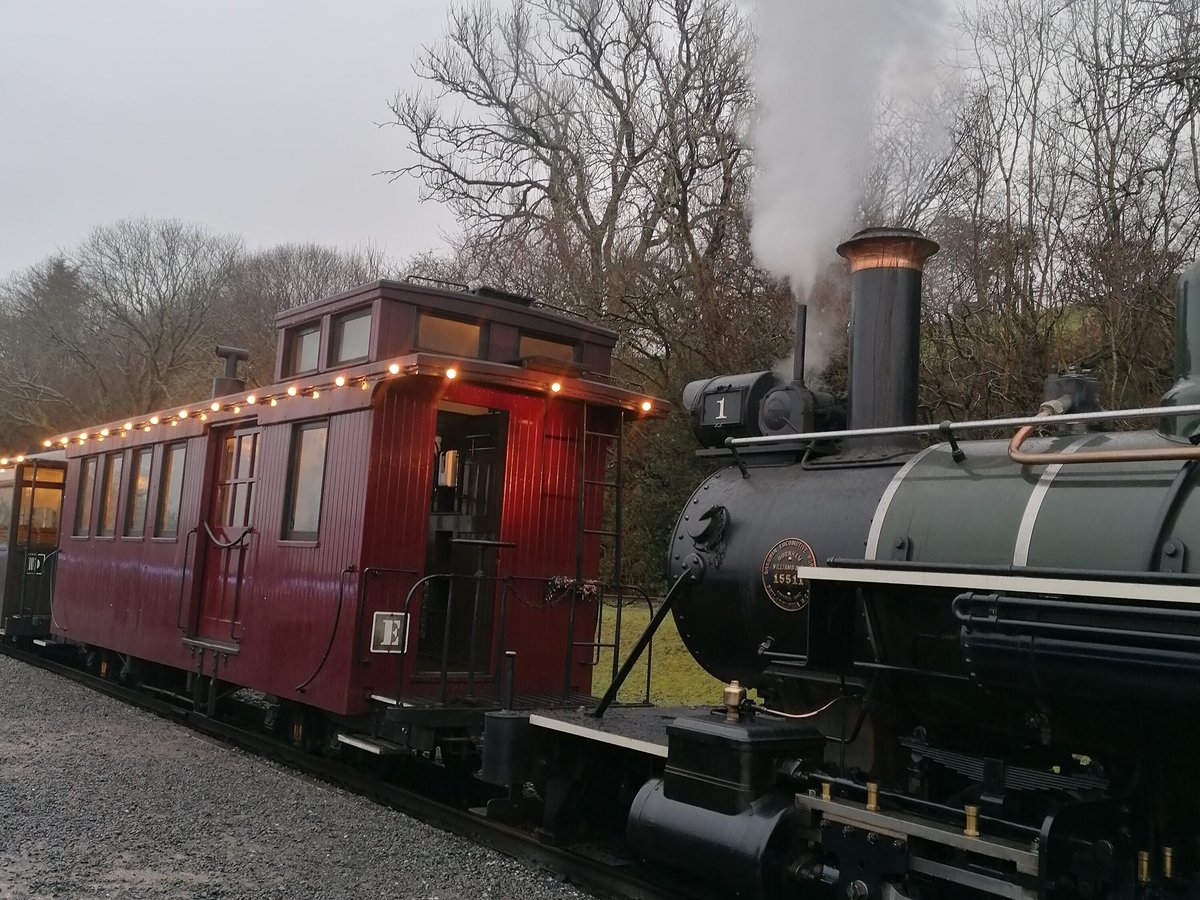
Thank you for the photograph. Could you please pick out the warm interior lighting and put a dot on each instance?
(292, 391)
(647, 406)
(394, 368)
(251, 399)
(340, 381)
(215, 407)
(452, 373)
(556, 387)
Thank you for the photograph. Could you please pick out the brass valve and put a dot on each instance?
(734, 695)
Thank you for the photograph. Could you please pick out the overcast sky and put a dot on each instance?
(247, 116)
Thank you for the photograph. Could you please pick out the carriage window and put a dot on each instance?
(544, 347)
(139, 493)
(83, 509)
(170, 491)
(448, 336)
(303, 345)
(351, 337)
(41, 505)
(306, 482)
(110, 490)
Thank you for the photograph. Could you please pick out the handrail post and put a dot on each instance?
(442, 695)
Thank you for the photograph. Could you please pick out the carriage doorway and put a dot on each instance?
(228, 530)
(464, 518)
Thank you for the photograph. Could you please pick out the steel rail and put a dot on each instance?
(585, 872)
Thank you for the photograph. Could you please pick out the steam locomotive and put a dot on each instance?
(976, 660)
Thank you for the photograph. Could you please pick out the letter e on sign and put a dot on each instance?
(389, 633)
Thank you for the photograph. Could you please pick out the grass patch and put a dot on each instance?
(675, 679)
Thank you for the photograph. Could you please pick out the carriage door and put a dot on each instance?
(228, 531)
(464, 518)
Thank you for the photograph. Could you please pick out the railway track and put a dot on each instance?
(600, 877)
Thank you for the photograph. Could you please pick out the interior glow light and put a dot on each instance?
(292, 391)
(394, 368)
(340, 381)
(452, 373)
(215, 407)
(183, 414)
(251, 399)
(647, 406)
(556, 387)
(154, 420)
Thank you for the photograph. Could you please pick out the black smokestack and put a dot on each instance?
(885, 324)
(800, 330)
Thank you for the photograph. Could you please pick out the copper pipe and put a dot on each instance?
(1093, 456)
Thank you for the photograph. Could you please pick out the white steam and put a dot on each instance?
(824, 66)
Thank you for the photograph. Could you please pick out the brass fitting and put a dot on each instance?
(826, 790)
(734, 695)
(872, 796)
(1143, 870)
(1168, 862)
(972, 827)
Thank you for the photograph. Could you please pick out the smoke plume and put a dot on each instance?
(823, 68)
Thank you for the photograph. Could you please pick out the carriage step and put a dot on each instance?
(388, 701)
(378, 746)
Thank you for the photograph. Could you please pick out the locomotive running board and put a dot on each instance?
(1016, 584)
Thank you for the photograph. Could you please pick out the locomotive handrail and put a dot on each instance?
(1153, 412)
(1131, 454)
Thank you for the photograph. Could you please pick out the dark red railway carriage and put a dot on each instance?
(375, 529)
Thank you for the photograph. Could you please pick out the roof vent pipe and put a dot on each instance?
(229, 383)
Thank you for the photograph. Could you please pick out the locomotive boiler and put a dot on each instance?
(977, 660)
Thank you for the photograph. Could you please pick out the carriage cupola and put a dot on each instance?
(387, 319)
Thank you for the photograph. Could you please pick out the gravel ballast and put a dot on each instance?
(99, 799)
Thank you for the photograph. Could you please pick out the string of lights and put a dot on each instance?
(234, 406)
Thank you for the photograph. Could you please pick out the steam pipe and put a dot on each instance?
(1022, 458)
